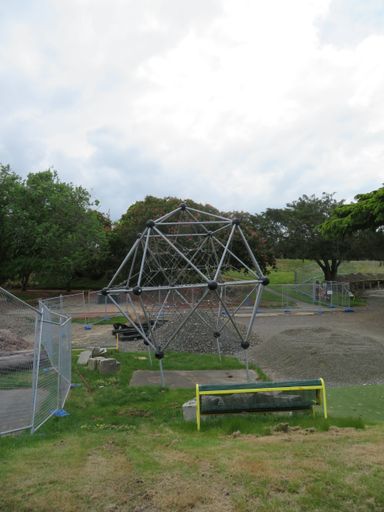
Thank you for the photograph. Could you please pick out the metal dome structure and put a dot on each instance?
(190, 275)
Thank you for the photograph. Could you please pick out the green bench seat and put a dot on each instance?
(259, 397)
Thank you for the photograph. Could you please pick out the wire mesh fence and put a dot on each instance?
(35, 363)
(313, 296)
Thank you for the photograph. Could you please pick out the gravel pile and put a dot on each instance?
(10, 342)
(197, 335)
(340, 356)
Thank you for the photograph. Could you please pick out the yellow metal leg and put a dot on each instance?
(197, 408)
(324, 396)
(117, 342)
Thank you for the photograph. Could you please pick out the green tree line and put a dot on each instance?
(53, 232)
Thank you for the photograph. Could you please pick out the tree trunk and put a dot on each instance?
(329, 268)
(24, 281)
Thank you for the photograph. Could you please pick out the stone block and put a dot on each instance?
(108, 365)
(93, 362)
(84, 357)
(189, 410)
(98, 351)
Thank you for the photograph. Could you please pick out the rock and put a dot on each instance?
(189, 410)
(84, 357)
(98, 351)
(108, 365)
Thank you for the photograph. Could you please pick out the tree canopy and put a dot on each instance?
(49, 227)
(366, 213)
(294, 232)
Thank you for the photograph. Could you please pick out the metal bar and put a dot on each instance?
(167, 215)
(181, 254)
(132, 265)
(162, 381)
(172, 235)
(147, 319)
(161, 309)
(9, 294)
(197, 407)
(259, 390)
(182, 286)
(229, 316)
(5, 432)
(324, 396)
(224, 252)
(236, 258)
(141, 332)
(254, 311)
(36, 366)
(148, 230)
(254, 261)
(238, 307)
(206, 213)
(187, 223)
(124, 261)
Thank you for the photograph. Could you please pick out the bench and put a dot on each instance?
(262, 397)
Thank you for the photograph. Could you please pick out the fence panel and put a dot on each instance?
(35, 363)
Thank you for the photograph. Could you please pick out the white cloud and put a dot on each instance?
(244, 105)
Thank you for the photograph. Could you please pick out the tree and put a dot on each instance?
(135, 218)
(294, 232)
(10, 185)
(55, 230)
(366, 213)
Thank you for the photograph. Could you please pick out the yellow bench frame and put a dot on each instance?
(258, 388)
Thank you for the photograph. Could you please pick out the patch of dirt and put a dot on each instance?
(11, 342)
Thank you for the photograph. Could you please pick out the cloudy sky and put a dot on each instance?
(243, 104)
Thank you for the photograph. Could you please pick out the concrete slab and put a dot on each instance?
(189, 379)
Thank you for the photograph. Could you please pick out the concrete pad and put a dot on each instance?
(189, 379)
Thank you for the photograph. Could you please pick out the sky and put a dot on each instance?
(241, 104)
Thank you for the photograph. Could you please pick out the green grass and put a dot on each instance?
(358, 401)
(16, 379)
(125, 448)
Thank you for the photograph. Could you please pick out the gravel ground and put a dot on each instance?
(343, 348)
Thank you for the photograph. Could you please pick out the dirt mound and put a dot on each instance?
(339, 356)
(10, 342)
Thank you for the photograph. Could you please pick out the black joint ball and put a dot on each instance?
(212, 285)
(245, 345)
(104, 291)
(236, 222)
(209, 234)
(265, 281)
(159, 354)
(138, 235)
(183, 207)
(137, 290)
(146, 343)
(150, 223)
(216, 334)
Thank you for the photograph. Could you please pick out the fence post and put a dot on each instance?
(36, 362)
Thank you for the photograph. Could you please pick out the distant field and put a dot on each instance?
(288, 269)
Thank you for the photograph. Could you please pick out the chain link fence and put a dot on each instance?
(35, 363)
(308, 296)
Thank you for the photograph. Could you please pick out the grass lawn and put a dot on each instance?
(128, 449)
